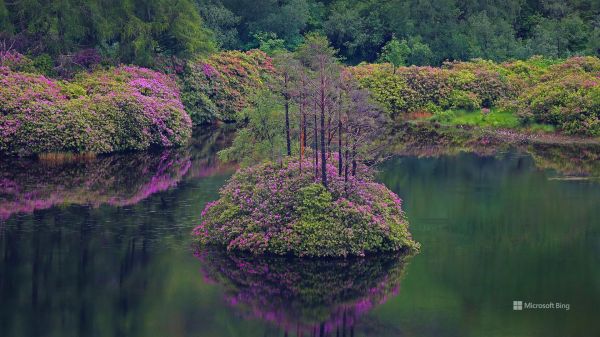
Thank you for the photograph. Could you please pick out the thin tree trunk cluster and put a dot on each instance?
(329, 107)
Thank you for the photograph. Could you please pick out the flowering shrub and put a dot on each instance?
(304, 295)
(15, 61)
(487, 80)
(568, 96)
(280, 210)
(125, 108)
(219, 87)
(564, 94)
(426, 85)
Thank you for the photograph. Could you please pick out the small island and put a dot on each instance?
(281, 209)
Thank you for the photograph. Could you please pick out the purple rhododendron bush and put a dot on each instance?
(124, 108)
(280, 209)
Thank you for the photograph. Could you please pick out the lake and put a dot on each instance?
(102, 247)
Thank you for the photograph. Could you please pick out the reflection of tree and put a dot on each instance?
(570, 160)
(27, 185)
(304, 296)
(81, 271)
(580, 160)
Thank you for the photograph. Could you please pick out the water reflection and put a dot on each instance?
(566, 160)
(494, 228)
(27, 185)
(304, 296)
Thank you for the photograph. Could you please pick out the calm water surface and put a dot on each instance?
(102, 248)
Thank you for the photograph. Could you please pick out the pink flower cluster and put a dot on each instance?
(126, 108)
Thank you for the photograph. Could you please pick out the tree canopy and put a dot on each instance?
(435, 30)
(136, 31)
(132, 31)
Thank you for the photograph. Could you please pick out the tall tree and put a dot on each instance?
(288, 68)
(318, 56)
(395, 53)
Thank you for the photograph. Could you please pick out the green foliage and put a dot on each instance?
(552, 93)
(263, 137)
(140, 30)
(395, 53)
(568, 97)
(221, 21)
(462, 100)
(429, 32)
(269, 43)
(443, 116)
(219, 87)
(434, 31)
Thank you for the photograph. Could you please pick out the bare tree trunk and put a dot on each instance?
(354, 159)
(330, 133)
(323, 154)
(340, 161)
(302, 134)
(287, 118)
(316, 147)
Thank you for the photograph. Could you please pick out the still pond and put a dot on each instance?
(102, 247)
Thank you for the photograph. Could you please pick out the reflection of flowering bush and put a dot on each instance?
(26, 185)
(281, 210)
(304, 294)
(119, 109)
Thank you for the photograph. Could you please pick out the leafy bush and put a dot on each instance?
(564, 94)
(568, 96)
(426, 85)
(444, 116)
(125, 108)
(387, 89)
(486, 79)
(280, 210)
(462, 100)
(219, 87)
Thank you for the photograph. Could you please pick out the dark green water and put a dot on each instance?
(102, 248)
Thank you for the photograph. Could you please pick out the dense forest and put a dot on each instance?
(152, 32)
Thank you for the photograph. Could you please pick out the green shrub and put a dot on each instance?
(219, 87)
(444, 116)
(568, 97)
(562, 94)
(462, 100)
